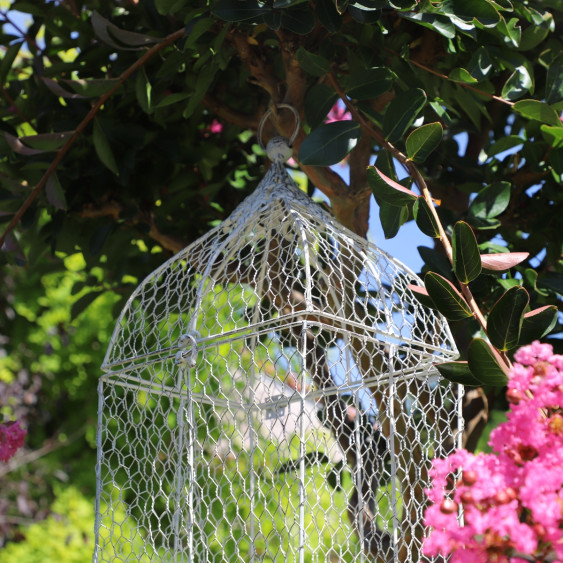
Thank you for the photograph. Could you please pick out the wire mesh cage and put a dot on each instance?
(270, 395)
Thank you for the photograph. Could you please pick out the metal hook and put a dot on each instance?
(268, 114)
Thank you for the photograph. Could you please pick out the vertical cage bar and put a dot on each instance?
(392, 434)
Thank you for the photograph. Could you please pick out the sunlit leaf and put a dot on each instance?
(537, 324)
(425, 219)
(401, 113)
(387, 190)
(502, 261)
(467, 260)
(447, 298)
(486, 363)
(539, 111)
(505, 319)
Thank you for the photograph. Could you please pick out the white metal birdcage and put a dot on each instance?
(270, 395)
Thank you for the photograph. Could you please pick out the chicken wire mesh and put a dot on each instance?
(271, 395)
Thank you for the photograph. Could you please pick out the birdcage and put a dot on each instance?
(270, 395)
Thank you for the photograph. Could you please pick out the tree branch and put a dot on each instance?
(82, 125)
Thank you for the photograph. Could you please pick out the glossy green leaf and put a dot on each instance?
(329, 143)
(54, 192)
(502, 261)
(387, 190)
(481, 10)
(425, 219)
(467, 260)
(553, 135)
(435, 22)
(534, 34)
(422, 141)
(392, 217)
(491, 201)
(511, 31)
(504, 144)
(103, 149)
(519, 83)
(402, 112)
(435, 260)
(505, 319)
(458, 372)
(311, 63)
(422, 296)
(486, 363)
(539, 111)
(537, 324)
(366, 84)
(318, 103)
(480, 65)
(462, 75)
(447, 298)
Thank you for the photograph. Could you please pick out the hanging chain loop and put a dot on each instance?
(278, 148)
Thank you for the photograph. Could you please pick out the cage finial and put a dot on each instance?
(278, 149)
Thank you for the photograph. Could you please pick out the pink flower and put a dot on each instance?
(214, 128)
(12, 437)
(338, 112)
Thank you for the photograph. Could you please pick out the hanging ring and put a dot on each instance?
(268, 114)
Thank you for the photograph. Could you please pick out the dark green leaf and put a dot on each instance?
(554, 81)
(364, 16)
(425, 218)
(120, 38)
(556, 161)
(368, 84)
(537, 324)
(480, 65)
(447, 298)
(505, 143)
(47, 142)
(143, 90)
(55, 193)
(505, 319)
(540, 111)
(328, 15)
(534, 34)
(103, 149)
(318, 103)
(402, 112)
(392, 217)
(486, 363)
(553, 135)
(435, 22)
(467, 260)
(519, 83)
(8, 58)
(491, 201)
(422, 295)
(422, 141)
(18, 147)
(387, 190)
(480, 10)
(198, 28)
(80, 305)
(172, 99)
(502, 261)
(462, 75)
(458, 372)
(311, 63)
(329, 143)
(552, 281)
(435, 260)
(300, 20)
(238, 10)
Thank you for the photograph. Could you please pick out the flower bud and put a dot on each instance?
(539, 529)
(448, 506)
(467, 497)
(469, 477)
(514, 396)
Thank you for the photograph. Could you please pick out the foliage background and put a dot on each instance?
(148, 174)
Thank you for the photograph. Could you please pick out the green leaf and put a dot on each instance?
(491, 201)
(329, 143)
(368, 84)
(502, 261)
(55, 193)
(402, 112)
(504, 144)
(318, 103)
(18, 147)
(534, 34)
(458, 372)
(481, 64)
(425, 218)
(511, 31)
(103, 149)
(120, 38)
(447, 298)
(422, 296)
(387, 190)
(300, 20)
(172, 99)
(80, 305)
(486, 363)
(539, 111)
(8, 59)
(480, 10)
(328, 15)
(435, 260)
(506, 317)
(311, 63)
(467, 260)
(47, 142)
(238, 11)
(462, 75)
(143, 90)
(537, 324)
(437, 23)
(519, 83)
(392, 217)
(196, 30)
(554, 81)
(553, 135)
(422, 141)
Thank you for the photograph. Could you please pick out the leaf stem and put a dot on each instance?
(82, 125)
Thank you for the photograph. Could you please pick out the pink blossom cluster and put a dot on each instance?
(338, 112)
(12, 437)
(499, 506)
